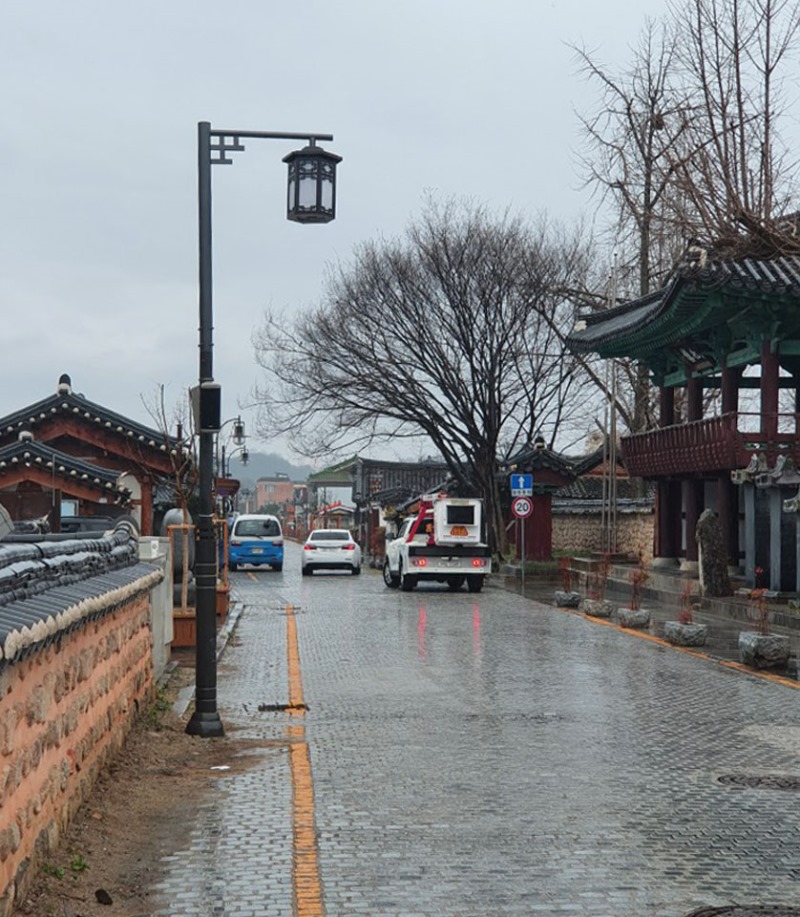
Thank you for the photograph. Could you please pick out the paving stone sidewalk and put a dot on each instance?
(475, 756)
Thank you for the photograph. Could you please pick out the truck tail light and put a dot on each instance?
(478, 562)
(419, 562)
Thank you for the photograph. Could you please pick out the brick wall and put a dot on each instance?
(65, 708)
(581, 533)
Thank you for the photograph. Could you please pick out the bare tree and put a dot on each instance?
(183, 478)
(734, 175)
(634, 138)
(454, 332)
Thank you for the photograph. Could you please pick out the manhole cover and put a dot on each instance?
(760, 781)
(748, 910)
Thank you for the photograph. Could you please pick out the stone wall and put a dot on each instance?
(581, 533)
(65, 708)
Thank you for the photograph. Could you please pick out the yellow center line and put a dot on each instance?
(306, 883)
(293, 659)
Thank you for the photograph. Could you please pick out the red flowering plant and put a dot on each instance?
(638, 577)
(686, 614)
(599, 578)
(758, 611)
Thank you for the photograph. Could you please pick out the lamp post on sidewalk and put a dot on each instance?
(311, 198)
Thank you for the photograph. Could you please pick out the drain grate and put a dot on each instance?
(760, 782)
(744, 910)
(281, 708)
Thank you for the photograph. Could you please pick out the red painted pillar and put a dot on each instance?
(694, 399)
(727, 491)
(666, 407)
(730, 390)
(668, 513)
(769, 391)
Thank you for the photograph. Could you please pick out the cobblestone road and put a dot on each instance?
(481, 755)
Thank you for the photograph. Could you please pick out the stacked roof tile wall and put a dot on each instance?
(75, 664)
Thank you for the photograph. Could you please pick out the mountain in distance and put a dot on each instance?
(267, 465)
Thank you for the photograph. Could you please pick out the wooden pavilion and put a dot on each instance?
(723, 328)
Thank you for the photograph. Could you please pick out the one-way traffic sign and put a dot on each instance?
(521, 485)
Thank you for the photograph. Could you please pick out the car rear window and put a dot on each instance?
(261, 527)
(330, 536)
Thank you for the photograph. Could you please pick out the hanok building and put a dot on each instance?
(728, 328)
(571, 499)
(377, 488)
(66, 448)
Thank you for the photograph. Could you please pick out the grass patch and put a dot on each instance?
(158, 709)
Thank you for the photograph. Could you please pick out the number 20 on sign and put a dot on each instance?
(521, 507)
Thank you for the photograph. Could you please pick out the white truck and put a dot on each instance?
(443, 543)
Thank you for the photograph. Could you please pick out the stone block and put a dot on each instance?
(598, 608)
(637, 618)
(685, 634)
(763, 651)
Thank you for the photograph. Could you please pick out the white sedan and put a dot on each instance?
(331, 549)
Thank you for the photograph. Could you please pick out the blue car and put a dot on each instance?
(256, 540)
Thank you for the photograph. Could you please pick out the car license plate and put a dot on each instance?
(258, 550)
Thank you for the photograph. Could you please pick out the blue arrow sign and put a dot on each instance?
(521, 485)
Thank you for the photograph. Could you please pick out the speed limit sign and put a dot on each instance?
(521, 507)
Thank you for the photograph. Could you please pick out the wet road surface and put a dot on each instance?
(482, 755)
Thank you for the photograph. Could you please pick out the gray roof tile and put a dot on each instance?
(51, 585)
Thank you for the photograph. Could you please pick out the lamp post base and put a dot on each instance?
(205, 725)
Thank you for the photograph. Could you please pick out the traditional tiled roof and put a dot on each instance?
(593, 507)
(591, 488)
(372, 477)
(568, 466)
(64, 403)
(340, 474)
(61, 467)
(674, 312)
(52, 584)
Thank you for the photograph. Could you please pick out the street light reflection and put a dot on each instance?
(421, 649)
(477, 649)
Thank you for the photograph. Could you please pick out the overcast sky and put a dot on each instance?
(98, 141)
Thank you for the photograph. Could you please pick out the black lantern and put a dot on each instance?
(312, 184)
(238, 431)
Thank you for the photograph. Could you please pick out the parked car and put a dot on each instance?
(331, 549)
(256, 539)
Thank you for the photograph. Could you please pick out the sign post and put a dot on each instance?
(522, 507)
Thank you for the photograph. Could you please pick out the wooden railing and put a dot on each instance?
(714, 444)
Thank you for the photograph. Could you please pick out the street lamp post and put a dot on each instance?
(311, 198)
(238, 436)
